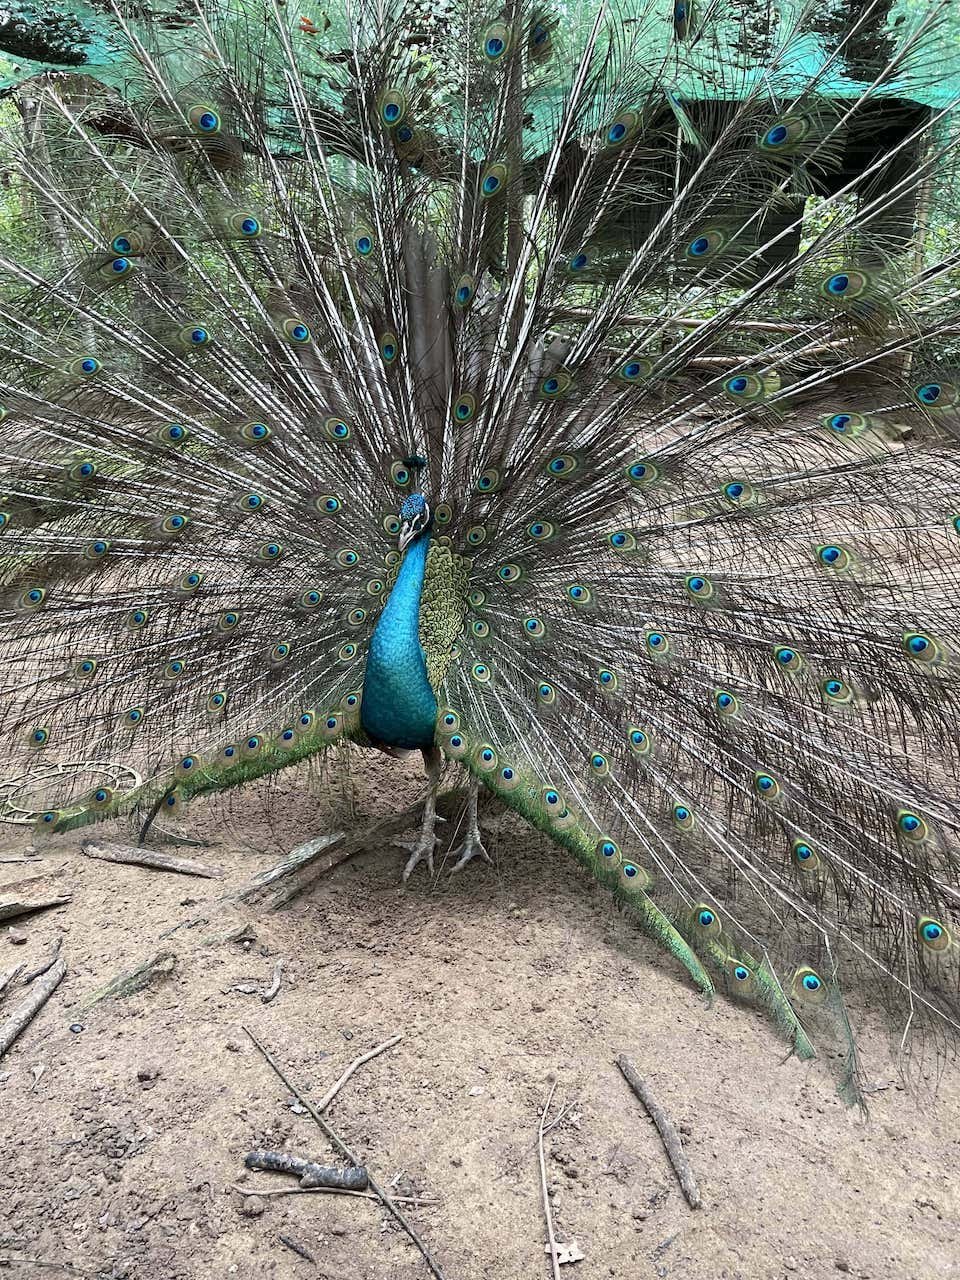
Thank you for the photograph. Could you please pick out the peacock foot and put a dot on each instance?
(471, 848)
(421, 850)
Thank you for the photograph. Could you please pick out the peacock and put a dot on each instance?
(569, 395)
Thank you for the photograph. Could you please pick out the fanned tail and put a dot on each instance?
(637, 302)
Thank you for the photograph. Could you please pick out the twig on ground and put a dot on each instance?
(174, 837)
(333, 1191)
(551, 1238)
(153, 858)
(42, 1262)
(127, 984)
(334, 1089)
(296, 1248)
(310, 1172)
(244, 931)
(23, 1013)
(45, 964)
(345, 1151)
(308, 862)
(665, 1127)
(9, 976)
(21, 906)
(560, 1116)
(11, 886)
(273, 990)
(291, 863)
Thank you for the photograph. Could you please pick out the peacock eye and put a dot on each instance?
(204, 119)
(464, 291)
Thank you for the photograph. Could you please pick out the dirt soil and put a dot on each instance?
(123, 1142)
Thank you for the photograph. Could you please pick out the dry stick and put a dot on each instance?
(296, 1248)
(9, 885)
(671, 1139)
(274, 988)
(21, 1014)
(8, 977)
(305, 864)
(344, 1150)
(309, 1172)
(20, 906)
(153, 858)
(551, 1238)
(127, 984)
(334, 1089)
(44, 964)
(330, 1191)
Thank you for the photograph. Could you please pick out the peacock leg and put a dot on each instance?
(472, 846)
(422, 849)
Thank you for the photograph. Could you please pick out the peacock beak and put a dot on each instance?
(407, 534)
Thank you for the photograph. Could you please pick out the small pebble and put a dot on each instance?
(148, 1073)
(252, 1206)
(790, 1264)
(347, 1035)
(233, 1046)
(16, 936)
(842, 1264)
(338, 1231)
(76, 1027)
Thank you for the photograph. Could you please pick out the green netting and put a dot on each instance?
(737, 49)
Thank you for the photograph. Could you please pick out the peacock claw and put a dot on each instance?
(421, 850)
(469, 850)
(472, 846)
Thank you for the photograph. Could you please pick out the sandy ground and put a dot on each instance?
(122, 1143)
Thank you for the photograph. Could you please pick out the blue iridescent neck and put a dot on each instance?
(399, 708)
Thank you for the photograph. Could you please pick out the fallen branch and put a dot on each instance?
(334, 1089)
(156, 859)
(273, 990)
(44, 964)
(175, 837)
(21, 907)
(304, 865)
(665, 1127)
(127, 984)
(332, 1191)
(296, 1248)
(309, 1172)
(22, 1014)
(551, 1238)
(10, 885)
(9, 976)
(42, 1262)
(345, 1151)
(242, 932)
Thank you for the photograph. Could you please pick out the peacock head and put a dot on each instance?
(415, 518)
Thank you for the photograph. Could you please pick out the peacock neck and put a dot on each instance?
(398, 708)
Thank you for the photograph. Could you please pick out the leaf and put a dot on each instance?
(569, 1252)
